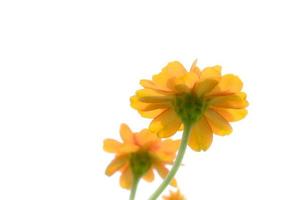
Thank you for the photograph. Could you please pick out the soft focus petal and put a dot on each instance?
(166, 124)
(236, 101)
(126, 134)
(163, 172)
(151, 85)
(201, 135)
(195, 69)
(126, 178)
(228, 84)
(116, 164)
(201, 88)
(111, 145)
(211, 73)
(185, 83)
(172, 70)
(231, 115)
(143, 108)
(145, 138)
(218, 124)
(149, 176)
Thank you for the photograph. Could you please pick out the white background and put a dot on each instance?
(68, 68)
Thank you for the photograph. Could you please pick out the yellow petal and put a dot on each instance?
(231, 115)
(126, 134)
(201, 135)
(218, 124)
(127, 148)
(195, 69)
(201, 88)
(149, 176)
(111, 145)
(236, 101)
(172, 70)
(151, 85)
(228, 84)
(166, 124)
(211, 73)
(163, 172)
(126, 178)
(184, 83)
(116, 164)
(152, 114)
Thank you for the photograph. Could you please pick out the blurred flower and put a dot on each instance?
(174, 196)
(139, 154)
(203, 98)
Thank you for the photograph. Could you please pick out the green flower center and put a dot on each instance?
(189, 107)
(140, 163)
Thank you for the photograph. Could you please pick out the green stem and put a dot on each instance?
(181, 151)
(134, 188)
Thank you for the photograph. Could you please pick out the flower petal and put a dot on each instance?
(165, 124)
(185, 83)
(195, 69)
(201, 135)
(228, 84)
(163, 172)
(116, 164)
(111, 145)
(145, 138)
(201, 88)
(172, 70)
(151, 85)
(218, 124)
(211, 73)
(126, 134)
(231, 115)
(149, 176)
(144, 108)
(126, 178)
(236, 101)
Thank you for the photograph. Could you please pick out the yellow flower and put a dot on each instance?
(139, 154)
(174, 196)
(203, 98)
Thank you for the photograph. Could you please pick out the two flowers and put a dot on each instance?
(200, 102)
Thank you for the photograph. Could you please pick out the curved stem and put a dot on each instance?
(181, 151)
(134, 188)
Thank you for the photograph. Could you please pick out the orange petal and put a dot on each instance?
(126, 178)
(201, 88)
(149, 176)
(211, 73)
(172, 70)
(128, 148)
(218, 124)
(143, 108)
(228, 84)
(163, 172)
(145, 137)
(201, 135)
(116, 164)
(231, 115)
(236, 101)
(166, 124)
(126, 134)
(111, 145)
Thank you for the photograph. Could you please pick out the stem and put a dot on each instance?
(134, 188)
(177, 163)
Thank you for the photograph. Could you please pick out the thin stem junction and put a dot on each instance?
(177, 163)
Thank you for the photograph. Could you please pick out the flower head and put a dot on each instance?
(203, 98)
(174, 196)
(139, 154)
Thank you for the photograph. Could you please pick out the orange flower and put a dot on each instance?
(203, 98)
(139, 154)
(174, 196)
